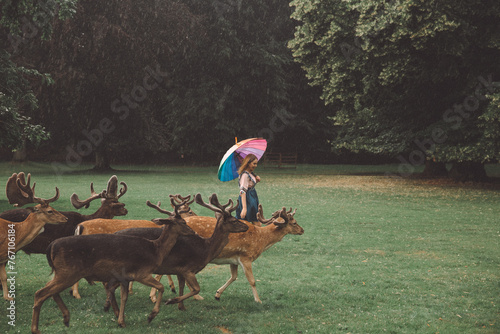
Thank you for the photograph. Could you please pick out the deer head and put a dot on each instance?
(178, 207)
(287, 219)
(223, 211)
(179, 199)
(19, 192)
(108, 197)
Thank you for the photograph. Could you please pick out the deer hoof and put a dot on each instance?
(151, 317)
(171, 301)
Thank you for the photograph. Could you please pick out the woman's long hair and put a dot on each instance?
(248, 159)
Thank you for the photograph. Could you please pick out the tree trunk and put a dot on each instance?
(102, 162)
(20, 154)
(468, 171)
(434, 169)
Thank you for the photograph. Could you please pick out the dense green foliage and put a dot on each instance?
(378, 255)
(405, 75)
(234, 81)
(413, 80)
(180, 78)
(17, 100)
(108, 63)
(22, 23)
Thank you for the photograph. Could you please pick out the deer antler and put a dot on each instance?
(123, 189)
(176, 207)
(290, 213)
(19, 192)
(260, 216)
(215, 201)
(178, 198)
(157, 207)
(284, 215)
(15, 195)
(112, 188)
(200, 201)
(274, 219)
(109, 193)
(215, 205)
(77, 203)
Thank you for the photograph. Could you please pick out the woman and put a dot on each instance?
(248, 200)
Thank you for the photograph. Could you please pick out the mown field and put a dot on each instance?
(380, 254)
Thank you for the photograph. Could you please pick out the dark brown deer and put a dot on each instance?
(15, 236)
(244, 248)
(109, 258)
(110, 207)
(100, 225)
(192, 253)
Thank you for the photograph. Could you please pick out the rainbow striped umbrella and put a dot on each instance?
(228, 168)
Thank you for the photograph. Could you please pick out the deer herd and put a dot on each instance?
(117, 252)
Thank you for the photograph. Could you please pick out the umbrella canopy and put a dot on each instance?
(228, 168)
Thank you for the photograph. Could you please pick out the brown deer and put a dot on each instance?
(244, 248)
(15, 236)
(96, 226)
(192, 253)
(111, 258)
(110, 207)
(188, 212)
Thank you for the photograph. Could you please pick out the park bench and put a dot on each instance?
(280, 160)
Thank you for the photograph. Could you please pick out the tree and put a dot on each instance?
(239, 80)
(134, 79)
(230, 83)
(109, 63)
(21, 23)
(393, 70)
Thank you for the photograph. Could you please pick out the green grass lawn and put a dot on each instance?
(379, 255)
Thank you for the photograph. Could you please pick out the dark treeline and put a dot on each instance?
(142, 81)
(415, 83)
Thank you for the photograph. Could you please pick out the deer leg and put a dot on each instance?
(170, 282)
(123, 301)
(150, 281)
(234, 276)
(52, 288)
(107, 304)
(196, 297)
(130, 285)
(3, 280)
(192, 282)
(74, 291)
(152, 294)
(57, 298)
(182, 284)
(111, 299)
(247, 268)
